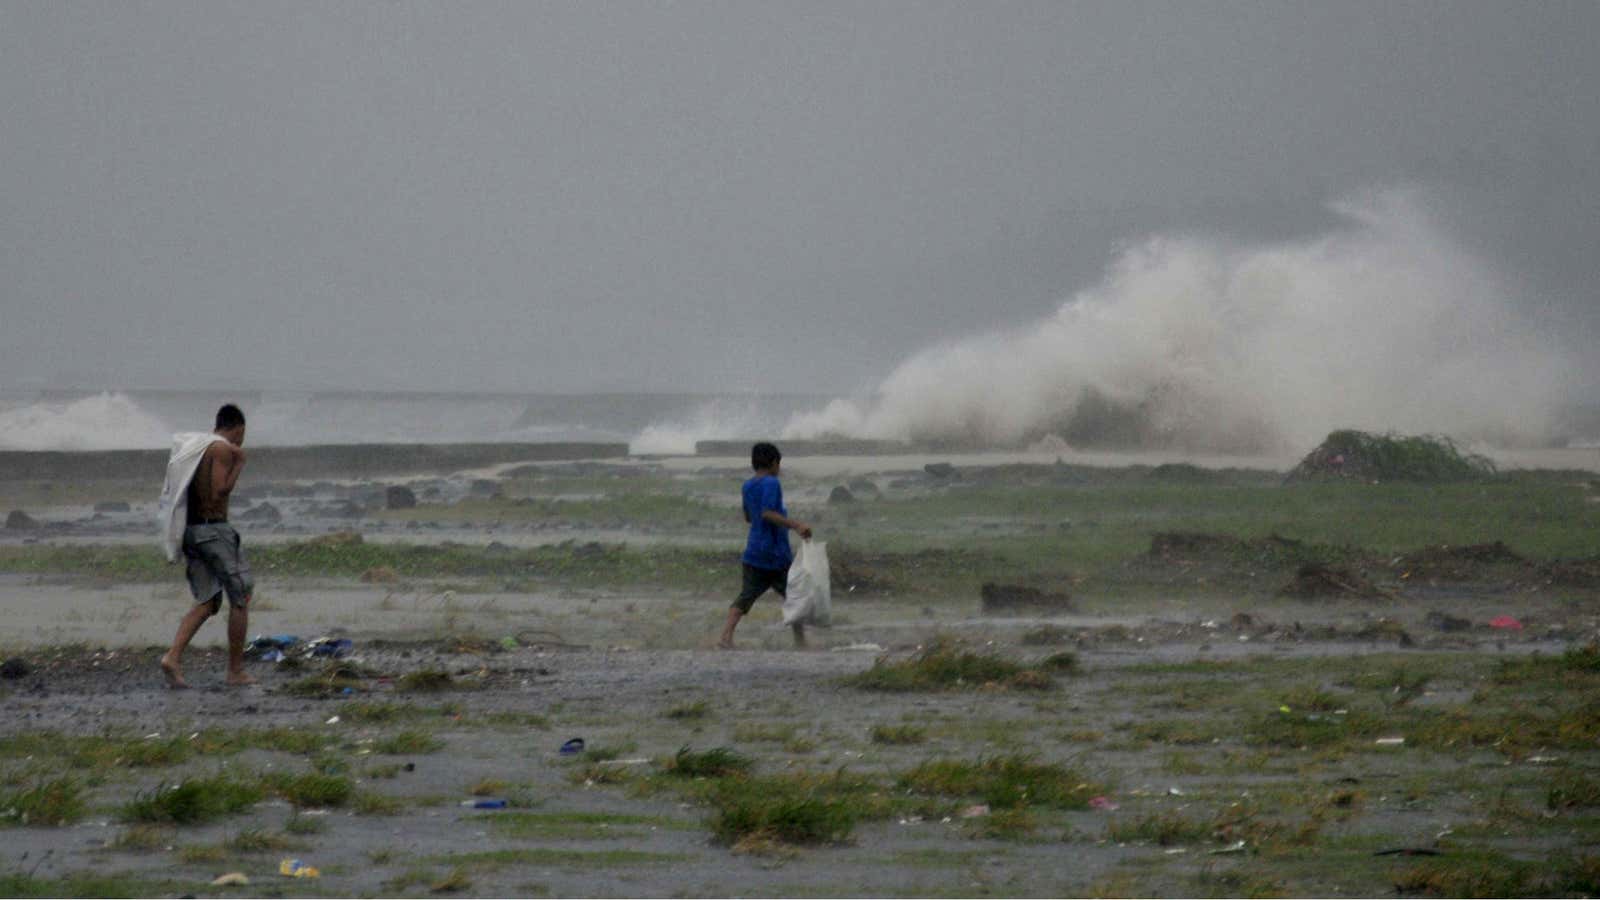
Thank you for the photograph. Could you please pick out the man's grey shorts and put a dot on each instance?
(216, 563)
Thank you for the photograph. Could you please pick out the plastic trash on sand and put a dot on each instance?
(230, 879)
(330, 647)
(808, 599)
(572, 747)
(1104, 804)
(294, 868)
(1505, 623)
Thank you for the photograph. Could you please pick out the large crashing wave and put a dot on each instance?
(1188, 343)
(109, 421)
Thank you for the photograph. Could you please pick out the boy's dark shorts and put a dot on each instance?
(756, 582)
(216, 563)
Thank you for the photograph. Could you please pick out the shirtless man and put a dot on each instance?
(216, 564)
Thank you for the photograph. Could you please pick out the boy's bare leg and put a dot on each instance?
(238, 625)
(734, 615)
(799, 634)
(172, 660)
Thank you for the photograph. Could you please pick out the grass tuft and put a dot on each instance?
(55, 802)
(718, 762)
(1003, 782)
(192, 801)
(942, 666)
(311, 790)
(898, 735)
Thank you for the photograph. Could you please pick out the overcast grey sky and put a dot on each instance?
(721, 196)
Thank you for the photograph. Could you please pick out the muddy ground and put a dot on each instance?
(1223, 735)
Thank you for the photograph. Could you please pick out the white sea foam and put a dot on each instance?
(107, 421)
(1385, 324)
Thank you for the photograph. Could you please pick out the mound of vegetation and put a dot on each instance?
(1359, 456)
(943, 666)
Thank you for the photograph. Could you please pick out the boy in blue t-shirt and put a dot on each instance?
(766, 553)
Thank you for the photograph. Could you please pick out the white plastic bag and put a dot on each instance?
(809, 599)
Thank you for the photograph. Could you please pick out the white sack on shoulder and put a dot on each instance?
(809, 600)
(172, 513)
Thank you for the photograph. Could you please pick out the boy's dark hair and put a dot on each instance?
(229, 416)
(764, 456)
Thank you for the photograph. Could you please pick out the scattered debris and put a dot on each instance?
(1390, 741)
(294, 868)
(1104, 804)
(1505, 623)
(1407, 851)
(230, 879)
(1235, 847)
(973, 812)
(572, 747)
(859, 648)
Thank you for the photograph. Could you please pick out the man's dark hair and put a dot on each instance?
(229, 416)
(764, 456)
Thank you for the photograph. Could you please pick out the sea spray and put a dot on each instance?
(1192, 343)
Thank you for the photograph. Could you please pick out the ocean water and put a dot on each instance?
(649, 423)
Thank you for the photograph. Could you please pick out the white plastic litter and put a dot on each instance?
(809, 600)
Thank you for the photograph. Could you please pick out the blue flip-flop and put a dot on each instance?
(572, 747)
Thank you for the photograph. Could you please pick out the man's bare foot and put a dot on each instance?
(174, 675)
(240, 679)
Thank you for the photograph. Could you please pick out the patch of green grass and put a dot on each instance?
(372, 803)
(311, 790)
(425, 681)
(192, 801)
(19, 884)
(58, 801)
(574, 825)
(407, 742)
(456, 880)
(1061, 663)
(798, 809)
(298, 824)
(142, 838)
(254, 840)
(717, 762)
(1165, 829)
(942, 666)
(898, 735)
(588, 860)
(1570, 790)
(1003, 782)
(695, 711)
(367, 711)
(1474, 875)
(1014, 824)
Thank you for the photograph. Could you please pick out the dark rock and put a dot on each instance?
(399, 496)
(1003, 598)
(1446, 622)
(264, 512)
(112, 506)
(14, 668)
(841, 494)
(17, 520)
(864, 487)
(485, 487)
(940, 471)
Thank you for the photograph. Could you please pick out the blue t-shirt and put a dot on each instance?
(768, 546)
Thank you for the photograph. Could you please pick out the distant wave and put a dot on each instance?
(1192, 343)
(107, 421)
